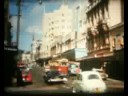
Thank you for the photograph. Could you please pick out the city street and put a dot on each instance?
(63, 37)
(38, 81)
(39, 84)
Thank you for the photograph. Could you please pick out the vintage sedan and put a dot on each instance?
(89, 82)
(54, 76)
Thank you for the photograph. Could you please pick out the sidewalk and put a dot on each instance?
(114, 80)
(114, 84)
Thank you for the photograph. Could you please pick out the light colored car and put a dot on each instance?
(102, 73)
(90, 82)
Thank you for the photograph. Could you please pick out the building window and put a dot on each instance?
(114, 43)
(80, 23)
(119, 42)
(52, 22)
(62, 14)
(52, 28)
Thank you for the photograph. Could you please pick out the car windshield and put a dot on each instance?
(73, 66)
(93, 76)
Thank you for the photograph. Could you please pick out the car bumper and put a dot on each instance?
(95, 90)
(57, 80)
(26, 81)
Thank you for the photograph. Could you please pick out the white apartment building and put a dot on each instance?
(64, 30)
(81, 27)
(56, 26)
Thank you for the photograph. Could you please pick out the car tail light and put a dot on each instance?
(28, 77)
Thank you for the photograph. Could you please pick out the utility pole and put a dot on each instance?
(18, 21)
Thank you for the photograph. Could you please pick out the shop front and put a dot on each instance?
(87, 63)
(75, 53)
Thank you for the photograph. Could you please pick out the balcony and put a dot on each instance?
(70, 35)
(90, 7)
(67, 37)
(58, 39)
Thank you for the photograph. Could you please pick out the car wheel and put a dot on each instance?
(73, 90)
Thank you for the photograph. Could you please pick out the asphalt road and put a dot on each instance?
(39, 84)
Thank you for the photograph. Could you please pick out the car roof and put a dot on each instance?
(89, 72)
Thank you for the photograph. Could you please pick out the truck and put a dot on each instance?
(56, 71)
(64, 66)
(60, 64)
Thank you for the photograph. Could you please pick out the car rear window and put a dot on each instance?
(93, 76)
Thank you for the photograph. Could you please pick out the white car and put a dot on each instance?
(90, 82)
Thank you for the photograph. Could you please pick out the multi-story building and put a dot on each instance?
(56, 25)
(60, 33)
(105, 32)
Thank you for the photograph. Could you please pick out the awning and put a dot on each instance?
(105, 56)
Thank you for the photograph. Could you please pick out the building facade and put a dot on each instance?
(56, 25)
(105, 31)
(60, 30)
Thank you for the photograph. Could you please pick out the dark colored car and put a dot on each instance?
(54, 76)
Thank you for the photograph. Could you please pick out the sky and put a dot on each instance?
(32, 18)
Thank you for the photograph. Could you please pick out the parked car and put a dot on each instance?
(26, 74)
(54, 76)
(90, 82)
(102, 73)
